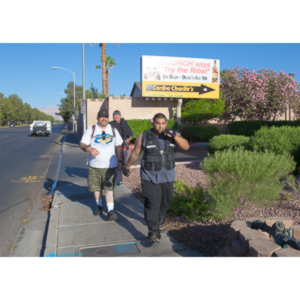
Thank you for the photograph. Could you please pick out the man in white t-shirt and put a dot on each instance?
(104, 144)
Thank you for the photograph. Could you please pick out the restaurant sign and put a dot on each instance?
(180, 77)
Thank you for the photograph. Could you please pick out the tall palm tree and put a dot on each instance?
(109, 63)
(103, 54)
(104, 68)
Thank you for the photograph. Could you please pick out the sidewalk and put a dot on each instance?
(75, 231)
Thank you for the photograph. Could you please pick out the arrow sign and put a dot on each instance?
(202, 89)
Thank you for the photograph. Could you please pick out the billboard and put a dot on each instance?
(180, 77)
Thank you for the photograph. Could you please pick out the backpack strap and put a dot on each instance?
(113, 130)
(94, 127)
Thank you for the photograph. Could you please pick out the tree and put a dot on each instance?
(109, 63)
(66, 107)
(103, 54)
(202, 110)
(259, 94)
(104, 67)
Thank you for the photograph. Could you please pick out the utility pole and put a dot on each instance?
(83, 91)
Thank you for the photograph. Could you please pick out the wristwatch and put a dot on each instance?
(121, 161)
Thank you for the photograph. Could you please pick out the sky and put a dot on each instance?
(26, 68)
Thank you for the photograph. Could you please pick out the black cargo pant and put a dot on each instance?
(158, 198)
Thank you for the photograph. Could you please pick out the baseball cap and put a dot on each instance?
(116, 112)
(103, 113)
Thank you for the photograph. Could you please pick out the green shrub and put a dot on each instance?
(245, 175)
(138, 126)
(226, 141)
(278, 140)
(202, 110)
(199, 133)
(248, 128)
(192, 203)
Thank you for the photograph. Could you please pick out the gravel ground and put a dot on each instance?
(207, 239)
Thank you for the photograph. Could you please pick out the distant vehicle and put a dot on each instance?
(40, 127)
(12, 125)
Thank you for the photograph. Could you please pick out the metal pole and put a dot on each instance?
(74, 100)
(178, 113)
(83, 90)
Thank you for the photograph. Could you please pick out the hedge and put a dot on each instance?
(278, 140)
(248, 128)
(226, 141)
(199, 133)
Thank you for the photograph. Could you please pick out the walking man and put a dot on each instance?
(104, 144)
(126, 134)
(157, 171)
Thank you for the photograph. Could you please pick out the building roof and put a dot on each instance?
(136, 85)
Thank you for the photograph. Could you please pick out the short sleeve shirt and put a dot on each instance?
(105, 143)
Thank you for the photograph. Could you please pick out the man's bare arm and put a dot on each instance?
(136, 151)
(89, 149)
(181, 142)
(119, 152)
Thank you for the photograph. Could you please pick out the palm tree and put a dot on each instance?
(109, 63)
(103, 53)
(104, 67)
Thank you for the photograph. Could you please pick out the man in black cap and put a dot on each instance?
(104, 145)
(126, 133)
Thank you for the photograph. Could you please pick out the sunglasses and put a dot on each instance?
(103, 135)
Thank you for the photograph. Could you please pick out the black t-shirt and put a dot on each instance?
(123, 128)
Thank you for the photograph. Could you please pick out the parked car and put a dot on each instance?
(40, 127)
(12, 125)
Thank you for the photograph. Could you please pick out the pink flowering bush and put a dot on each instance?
(191, 203)
(261, 95)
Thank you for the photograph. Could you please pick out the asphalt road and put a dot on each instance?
(24, 162)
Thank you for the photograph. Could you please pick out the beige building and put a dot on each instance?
(133, 107)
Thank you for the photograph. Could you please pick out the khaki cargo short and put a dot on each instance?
(99, 179)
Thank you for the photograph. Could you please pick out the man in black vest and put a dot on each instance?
(126, 133)
(157, 171)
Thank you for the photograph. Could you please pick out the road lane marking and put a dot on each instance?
(29, 179)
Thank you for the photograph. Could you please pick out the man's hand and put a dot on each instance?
(120, 166)
(170, 132)
(126, 172)
(93, 151)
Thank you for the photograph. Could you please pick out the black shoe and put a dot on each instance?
(98, 211)
(162, 228)
(153, 238)
(111, 216)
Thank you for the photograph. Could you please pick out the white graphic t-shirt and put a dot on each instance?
(105, 143)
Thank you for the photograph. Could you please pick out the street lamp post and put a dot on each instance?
(74, 114)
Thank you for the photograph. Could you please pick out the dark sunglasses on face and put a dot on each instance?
(103, 135)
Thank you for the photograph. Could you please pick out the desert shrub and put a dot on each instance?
(278, 140)
(248, 128)
(199, 133)
(245, 175)
(191, 203)
(138, 126)
(226, 141)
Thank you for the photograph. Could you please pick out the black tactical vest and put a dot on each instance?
(153, 155)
